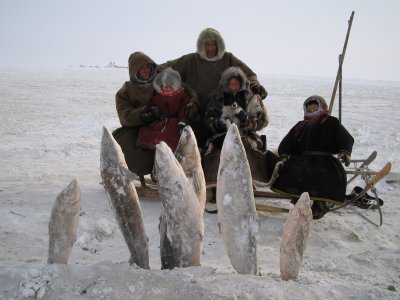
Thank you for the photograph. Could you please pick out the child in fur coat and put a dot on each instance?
(171, 101)
(234, 102)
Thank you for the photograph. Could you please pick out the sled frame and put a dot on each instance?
(148, 188)
(371, 178)
(360, 169)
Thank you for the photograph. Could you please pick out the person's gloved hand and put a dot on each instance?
(345, 158)
(192, 111)
(259, 89)
(242, 116)
(281, 162)
(220, 125)
(150, 114)
(181, 125)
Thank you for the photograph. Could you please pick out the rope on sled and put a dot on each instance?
(274, 175)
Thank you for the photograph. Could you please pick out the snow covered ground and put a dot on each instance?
(51, 125)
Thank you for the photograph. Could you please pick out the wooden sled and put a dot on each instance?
(360, 167)
(150, 190)
(363, 167)
(371, 178)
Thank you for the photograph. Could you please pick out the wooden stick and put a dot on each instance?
(341, 59)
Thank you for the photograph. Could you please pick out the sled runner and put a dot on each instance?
(364, 165)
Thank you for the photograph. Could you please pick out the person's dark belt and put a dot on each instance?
(317, 153)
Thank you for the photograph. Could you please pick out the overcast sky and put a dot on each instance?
(299, 37)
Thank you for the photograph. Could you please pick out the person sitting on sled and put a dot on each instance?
(171, 101)
(234, 102)
(308, 154)
(134, 111)
(132, 104)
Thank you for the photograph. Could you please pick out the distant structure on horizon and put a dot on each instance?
(110, 65)
(83, 66)
(113, 65)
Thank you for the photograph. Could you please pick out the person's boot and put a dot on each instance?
(319, 209)
(142, 181)
(366, 201)
(211, 205)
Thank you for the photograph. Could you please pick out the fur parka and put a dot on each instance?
(311, 166)
(202, 73)
(252, 104)
(173, 109)
(261, 161)
(131, 99)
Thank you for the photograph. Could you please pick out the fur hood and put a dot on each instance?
(135, 62)
(210, 34)
(167, 76)
(237, 73)
(321, 113)
(321, 102)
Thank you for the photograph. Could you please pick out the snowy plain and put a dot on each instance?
(51, 126)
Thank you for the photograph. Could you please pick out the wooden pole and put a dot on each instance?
(340, 92)
(341, 59)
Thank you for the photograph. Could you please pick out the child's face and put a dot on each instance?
(312, 107)
(234, 85)
(167, 89)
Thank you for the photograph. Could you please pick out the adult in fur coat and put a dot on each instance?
(309, 162)
(134, 111)
(132, 103)
(202, 71)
